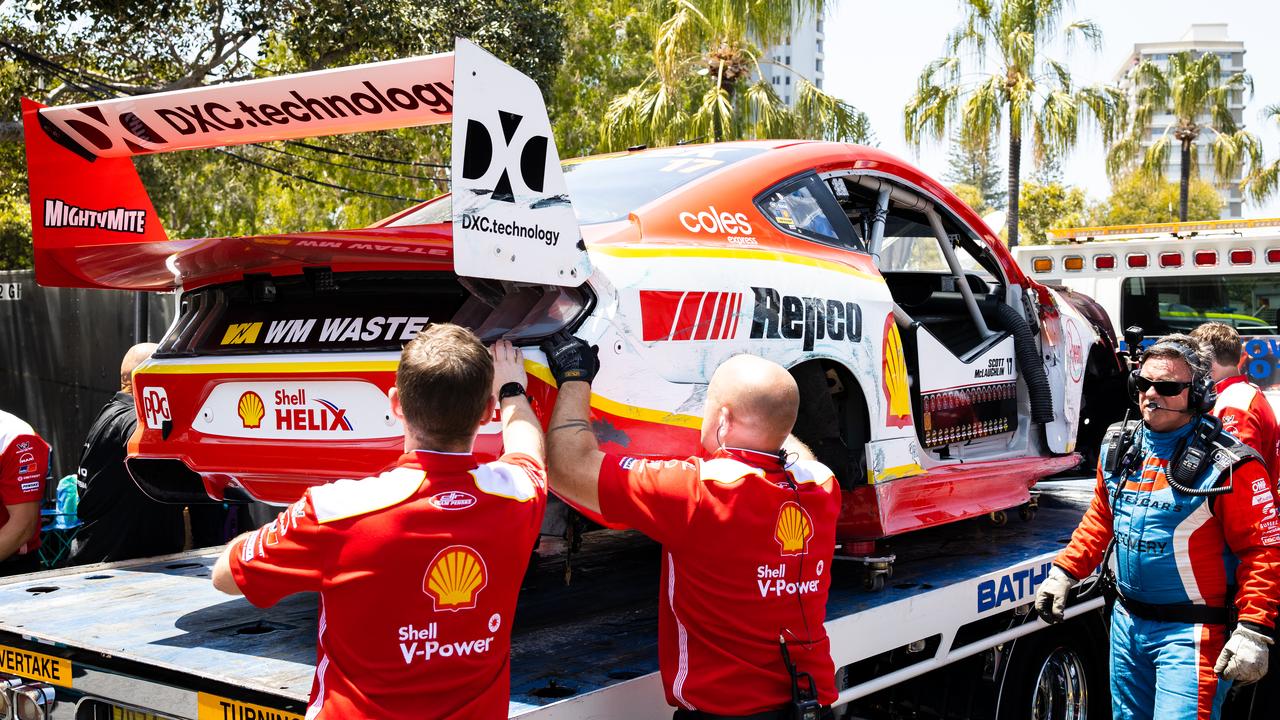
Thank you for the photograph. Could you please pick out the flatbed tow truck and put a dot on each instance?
(153, 639)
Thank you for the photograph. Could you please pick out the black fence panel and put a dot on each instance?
(60, 352)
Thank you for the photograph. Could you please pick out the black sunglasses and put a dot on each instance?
(1167, 388)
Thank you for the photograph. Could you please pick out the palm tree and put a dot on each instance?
(1263, 181)
(996, 71)
(709, 80)
(1194, 94)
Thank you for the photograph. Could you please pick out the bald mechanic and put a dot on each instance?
(747, 530)
(119, 522)
(417, 568)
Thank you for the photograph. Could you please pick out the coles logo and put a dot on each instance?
(453, 500)
(155, 407)
(455, 578)
(794, 529)
(713, 221)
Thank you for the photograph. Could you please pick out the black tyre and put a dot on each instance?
(1057, 674)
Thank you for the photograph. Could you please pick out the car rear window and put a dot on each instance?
(605, 189)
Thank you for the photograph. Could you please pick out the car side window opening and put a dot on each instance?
(805, 207)
(916, 268)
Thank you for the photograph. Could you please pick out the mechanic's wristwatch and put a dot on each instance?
(511, 389)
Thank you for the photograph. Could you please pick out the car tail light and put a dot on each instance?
(1170, 259)
(1241, 257)
(1273, 255)
(1104, 262)
(1205, 258)
(1042, 264)
(1136, 260)
(1074, 263)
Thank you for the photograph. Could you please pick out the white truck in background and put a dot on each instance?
(1171, 277)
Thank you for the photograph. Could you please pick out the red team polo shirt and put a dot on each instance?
(24, 461)
(418, 571)
(1245, 413)
(747, 555)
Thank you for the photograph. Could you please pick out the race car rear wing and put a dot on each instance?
(94, 225)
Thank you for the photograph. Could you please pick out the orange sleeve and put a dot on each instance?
(1249, 524)
(1090, 540)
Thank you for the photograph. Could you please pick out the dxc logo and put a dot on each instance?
(103, 132)
(477, 156)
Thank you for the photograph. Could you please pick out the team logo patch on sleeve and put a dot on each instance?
(455, 578)
(794, 529)
(30, 486)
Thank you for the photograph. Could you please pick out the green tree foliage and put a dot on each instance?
(976, 166)
(972, 197)
(64, 51)
(1137, 199)
(1196, 97)
(1049, 205)
(997, 74)
(1263, 180)
(608, 49)
(709, 79)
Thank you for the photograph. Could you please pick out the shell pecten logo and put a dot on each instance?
(251, 409)
(794, 529)
(455, 578)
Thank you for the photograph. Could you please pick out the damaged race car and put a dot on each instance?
(937, 380)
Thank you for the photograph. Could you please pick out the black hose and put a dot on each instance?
(1029, 364)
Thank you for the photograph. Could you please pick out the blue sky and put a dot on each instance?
(875, 52)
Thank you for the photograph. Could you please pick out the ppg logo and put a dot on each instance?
(478, 156)
(155, 407)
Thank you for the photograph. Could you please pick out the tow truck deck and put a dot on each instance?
(154, 636)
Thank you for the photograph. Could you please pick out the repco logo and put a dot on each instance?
(807, 319)
(712, 221)
(478, 155)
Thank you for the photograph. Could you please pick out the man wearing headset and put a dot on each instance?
(1188, 512)
(748, 532)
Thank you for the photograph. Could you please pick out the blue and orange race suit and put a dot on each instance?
(1173, 548)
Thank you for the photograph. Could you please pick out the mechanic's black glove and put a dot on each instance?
(571, 358)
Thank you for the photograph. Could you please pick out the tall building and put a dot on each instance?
(801, 51)
(1199, 39)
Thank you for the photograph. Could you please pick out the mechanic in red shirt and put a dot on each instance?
(1241, 406)
(747, 530)
(417, 568)
(24, 462)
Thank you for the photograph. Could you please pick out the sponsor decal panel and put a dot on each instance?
(793, 529)
(35, 666)
(380, 95)
(1075, 351)
(455, 577)
(735, 227)
(320, 410)
(214, 707)
(897, 396)
(808, 319)
(30, 486)
(326, 331)
(668, 315)
(59, 214)
(792, 532)
(1011, 588)
(155, 407)
(24, 446)
(453, 500)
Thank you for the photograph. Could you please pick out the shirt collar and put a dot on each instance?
(754, 458)
(1225, 383)
(442, 462)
